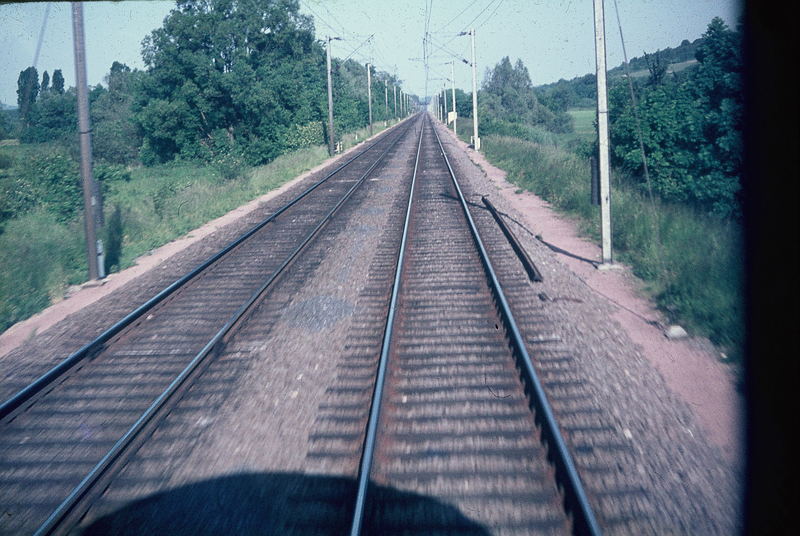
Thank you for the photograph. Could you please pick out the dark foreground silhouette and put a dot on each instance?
(280, 503)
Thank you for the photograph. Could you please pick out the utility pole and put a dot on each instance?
(369, 95)
(602, 133)
(92, 202)
(331, 134)
(476, 141)
(385, 102)
(453, 86)
(394, 90)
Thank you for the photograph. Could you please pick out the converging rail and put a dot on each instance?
(70, 426)
(456, 400)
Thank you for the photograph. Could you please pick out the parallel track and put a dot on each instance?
(62, 433)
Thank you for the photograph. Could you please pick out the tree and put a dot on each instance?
(243, 71)
(116, 138)
(691, 128)
(27, 92)
(509, 96)
(45, 82)
(58, 82)
(657, 68)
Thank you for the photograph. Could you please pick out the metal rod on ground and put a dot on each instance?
(602, 132)
(369, 96)
(92, 204)
(453, 87)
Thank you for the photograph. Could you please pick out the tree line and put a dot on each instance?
(690, 121)
(221, 77)
(228, 83)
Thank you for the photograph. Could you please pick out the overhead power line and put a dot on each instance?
(445, 25)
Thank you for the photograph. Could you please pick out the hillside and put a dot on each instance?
(580, 91)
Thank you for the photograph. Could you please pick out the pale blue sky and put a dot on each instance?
(554, 38)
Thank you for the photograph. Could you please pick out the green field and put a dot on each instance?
(583, 121)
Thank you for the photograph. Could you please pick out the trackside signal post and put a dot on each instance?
(92, 202)
(602, 133)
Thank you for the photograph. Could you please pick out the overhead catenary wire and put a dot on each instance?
(487, 19)
(445, 25)
(318, 17)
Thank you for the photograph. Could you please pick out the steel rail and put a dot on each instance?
(32, 389)
(377, 393)
(584, 521)
(75, 496)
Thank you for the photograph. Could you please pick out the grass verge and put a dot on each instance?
(40, 256)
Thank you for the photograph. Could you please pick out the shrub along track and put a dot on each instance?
(79, 418)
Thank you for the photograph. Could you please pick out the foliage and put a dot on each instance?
(57, 82)
(116, 138)
(507, 95)
(692, 265)
(251, 69)
(691, 128)
(53, 181)
(27, 92)
(40, 257)
(53, 118)
(6, 128)
(299, 136)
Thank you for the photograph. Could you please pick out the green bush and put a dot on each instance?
(51, 181)
(692, 262)
(300, 136)
(40, 257)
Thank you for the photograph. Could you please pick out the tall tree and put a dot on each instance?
(229, 73)
(116, 137)
(45, 82)
(58, 82)
(27, 92)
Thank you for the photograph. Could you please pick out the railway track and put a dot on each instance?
(437, 410)
(449, 418)
(61, 434)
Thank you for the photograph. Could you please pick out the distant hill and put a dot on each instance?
(4, 106)
(581, 90)
(679, 58)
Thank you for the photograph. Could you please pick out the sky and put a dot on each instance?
(553, 38)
